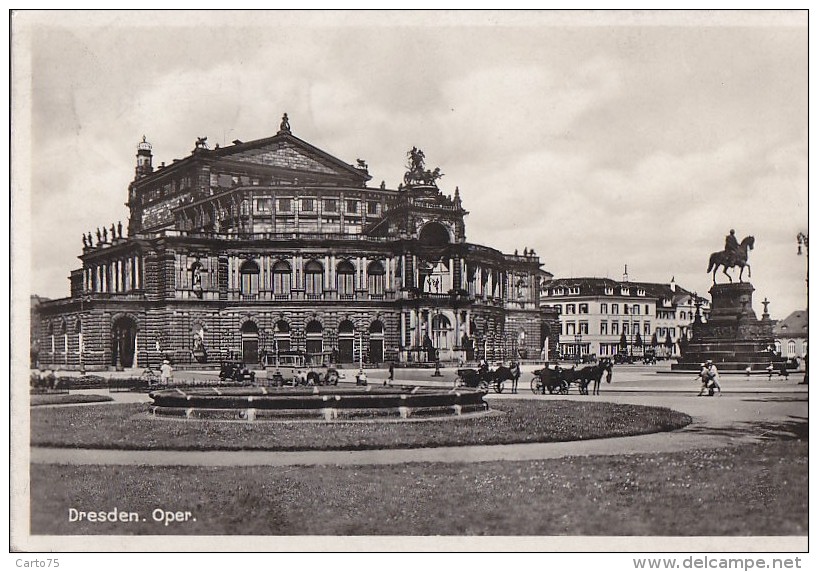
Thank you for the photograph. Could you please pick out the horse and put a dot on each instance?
(604, 365)
(727, 260)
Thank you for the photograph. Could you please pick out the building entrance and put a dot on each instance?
(249, 342)
(346, 342)
(123, 343)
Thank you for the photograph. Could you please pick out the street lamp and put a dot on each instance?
(803, 240)
(577, 342)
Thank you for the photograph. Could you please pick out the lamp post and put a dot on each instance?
(577, 342)
(803, 240)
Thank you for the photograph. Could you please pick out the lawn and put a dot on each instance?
(65, 398)
(743, 490)
(127, 426)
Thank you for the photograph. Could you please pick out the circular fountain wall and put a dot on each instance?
(328, 403)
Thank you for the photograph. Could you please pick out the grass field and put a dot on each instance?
(745, 490)
(127, 426)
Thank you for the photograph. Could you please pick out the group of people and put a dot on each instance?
(709, 377)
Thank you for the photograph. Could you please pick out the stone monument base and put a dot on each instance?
(733, 337)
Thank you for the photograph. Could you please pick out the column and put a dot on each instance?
(136, 349)
(402, 328)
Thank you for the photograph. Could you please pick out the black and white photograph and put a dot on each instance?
(417, 281)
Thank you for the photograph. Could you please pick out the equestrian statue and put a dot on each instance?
(734, 254)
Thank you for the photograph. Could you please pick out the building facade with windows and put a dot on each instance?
(604, 317)
(275, 245)
(792, 335)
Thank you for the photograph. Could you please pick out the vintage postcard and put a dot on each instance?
(410, 281)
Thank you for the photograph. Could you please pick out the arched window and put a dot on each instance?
(281, 336)
(376, 278)
(376, 341)
(64, 332)
(282, 276)
(434, 234)
(249, 279)
(315, 341)
(345, 280)
(791, 348)
(314, 279)
(346, 342)
(440, 331)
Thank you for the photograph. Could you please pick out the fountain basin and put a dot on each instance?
(328, 403)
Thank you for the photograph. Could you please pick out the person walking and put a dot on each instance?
(166, 372)
(712, 377)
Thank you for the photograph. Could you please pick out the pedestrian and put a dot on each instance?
(166, 374)
(783, 372)
(747, 370)
(711, 377)
(770, 371)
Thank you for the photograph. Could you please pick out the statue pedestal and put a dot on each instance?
(733, 337)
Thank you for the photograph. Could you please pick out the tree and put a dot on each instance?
(669, 343)
(623, 343)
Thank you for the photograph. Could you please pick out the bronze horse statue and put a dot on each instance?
(727, 259)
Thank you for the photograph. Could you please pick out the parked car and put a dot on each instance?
(300, 368)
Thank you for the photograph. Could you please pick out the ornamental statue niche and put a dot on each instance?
(417, 173)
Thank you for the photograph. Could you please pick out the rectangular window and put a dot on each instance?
(626, 328)
(308, 205)
(249, 285)
(636, 309)
(626, 308)
(647, 310)
(603, 308)
(263, 205)
(376, 284)
(372, 208)
(615, 329)
(346, 285)
(646, 331)
(672, 332)
(314, 283)
(614, 308)
(570, 328)
(583, 308)
(352, 206)
(603, 328)
(583, 327)
(281, 283)
(285, 205)
(331, 205)
(570, 309)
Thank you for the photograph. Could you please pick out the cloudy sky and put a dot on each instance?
(605, 141)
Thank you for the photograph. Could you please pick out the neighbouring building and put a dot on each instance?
(791, 335)
(605, 317)
(272, 245)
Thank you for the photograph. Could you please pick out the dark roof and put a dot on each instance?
(590, 286)
(796, 324)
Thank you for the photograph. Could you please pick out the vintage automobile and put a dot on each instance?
(299, 368)
(237, 372)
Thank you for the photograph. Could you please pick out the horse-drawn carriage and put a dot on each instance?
(558, 380)
(485, 378)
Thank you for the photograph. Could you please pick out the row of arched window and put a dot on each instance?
(313, 278)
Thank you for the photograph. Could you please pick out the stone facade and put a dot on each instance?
(273, 245)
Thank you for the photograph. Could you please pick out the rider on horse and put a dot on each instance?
(731, 246)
